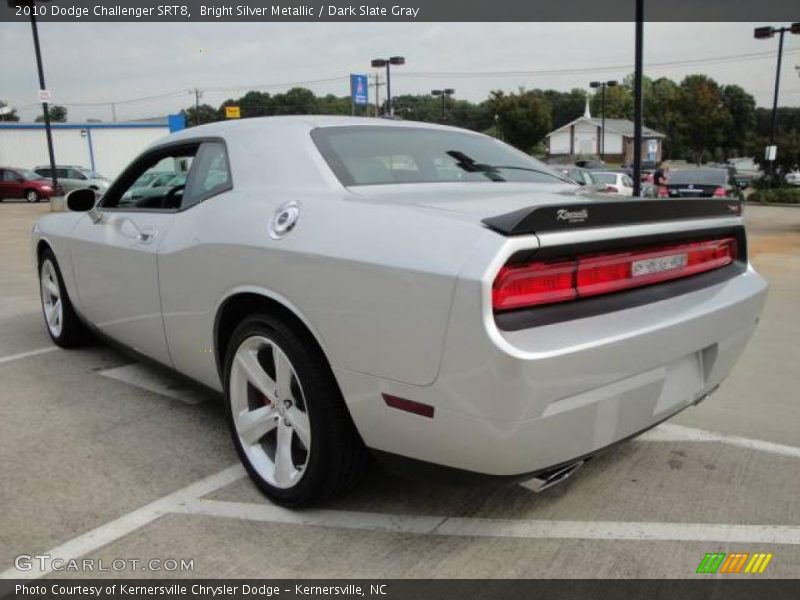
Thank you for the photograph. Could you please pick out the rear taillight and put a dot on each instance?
(663, 193)
(547, 282)
(534, 283)
(612, 189)
(720, 192)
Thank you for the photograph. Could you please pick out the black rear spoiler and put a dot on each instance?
(561, 217)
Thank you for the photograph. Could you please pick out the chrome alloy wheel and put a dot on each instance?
(269, 412)
(51, 298)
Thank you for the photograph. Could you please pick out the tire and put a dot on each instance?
(62, 323)
(301, 448)
(32, 196)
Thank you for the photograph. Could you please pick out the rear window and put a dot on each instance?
(604, 177)
(376, 155)
(698, 176)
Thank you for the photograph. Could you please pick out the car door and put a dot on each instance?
(5, 184)
(115, 256)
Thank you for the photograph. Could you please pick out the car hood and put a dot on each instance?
(473, 201)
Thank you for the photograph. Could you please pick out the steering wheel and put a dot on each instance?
(172, 198)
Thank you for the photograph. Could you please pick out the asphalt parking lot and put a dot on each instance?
(106, 458)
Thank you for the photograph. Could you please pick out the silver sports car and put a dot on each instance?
(422, 294)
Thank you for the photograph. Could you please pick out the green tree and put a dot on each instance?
(619, 102)
(9, 114)
(205, 114)
(705, 116)
(661, 111)
(742, 108)
(523, 119)
(566, 106)
(58, 114)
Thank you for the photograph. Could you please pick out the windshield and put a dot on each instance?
(29, 174)
(698, 176)
(375, 155)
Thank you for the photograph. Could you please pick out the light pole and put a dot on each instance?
(637, 99)
(388, 62)
(45, 108)
(443, 93)
(603, 85)
(763, 33)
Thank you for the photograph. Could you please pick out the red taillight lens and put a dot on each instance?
(534, 283)
(547, 282)
(720, 192)
(612, 189)
(663, 193)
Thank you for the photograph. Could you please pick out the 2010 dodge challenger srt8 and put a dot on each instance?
(426, 294)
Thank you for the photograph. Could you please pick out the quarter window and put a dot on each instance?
(210, 174)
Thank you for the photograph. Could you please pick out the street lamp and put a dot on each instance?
(443, 93)
(763, 33)
(603, 85)
(387, 62)
(31, 6)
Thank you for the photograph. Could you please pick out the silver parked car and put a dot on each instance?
(424, 293)
(71, 177)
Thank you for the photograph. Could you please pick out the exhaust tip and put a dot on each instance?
(548, 479)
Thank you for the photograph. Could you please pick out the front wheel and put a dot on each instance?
(287, 416)
(63, 324)
(32, 196)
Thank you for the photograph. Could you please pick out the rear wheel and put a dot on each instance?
(64, 326)
(32, 196)
(287, 417)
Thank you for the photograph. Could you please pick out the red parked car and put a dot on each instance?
(22, 183)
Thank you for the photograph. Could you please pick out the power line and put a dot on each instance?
(659, 65)
(434, 74)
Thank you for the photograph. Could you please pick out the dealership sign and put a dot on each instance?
(233, 112)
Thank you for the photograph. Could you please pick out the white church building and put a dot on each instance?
(582, 138)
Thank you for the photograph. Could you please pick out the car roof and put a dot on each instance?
(295, 123)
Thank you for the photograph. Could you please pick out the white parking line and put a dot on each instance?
(105, 534)
(13, 357)
(503, 528)
(668, 432)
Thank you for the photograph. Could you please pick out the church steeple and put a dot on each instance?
(587, 113)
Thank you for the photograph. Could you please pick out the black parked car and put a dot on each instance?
(701, 183)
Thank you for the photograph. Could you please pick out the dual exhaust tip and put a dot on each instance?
(548, 479)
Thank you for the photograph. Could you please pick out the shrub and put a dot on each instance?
(777, 196)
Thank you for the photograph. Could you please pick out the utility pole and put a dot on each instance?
(114, 112)
(377, 86)
(637, 100)
(42, 87)
(197, 95)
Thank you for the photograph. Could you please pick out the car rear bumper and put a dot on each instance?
(510, 403)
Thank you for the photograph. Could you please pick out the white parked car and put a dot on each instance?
(793, 178)
(618, 184)
(424, 293)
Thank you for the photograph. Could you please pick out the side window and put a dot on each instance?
(7, 175)
(210, 174)
(63, 174)
(169, 169)
(75, 174)
(46, 173)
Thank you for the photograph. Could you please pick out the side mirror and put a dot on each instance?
(81, 200)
